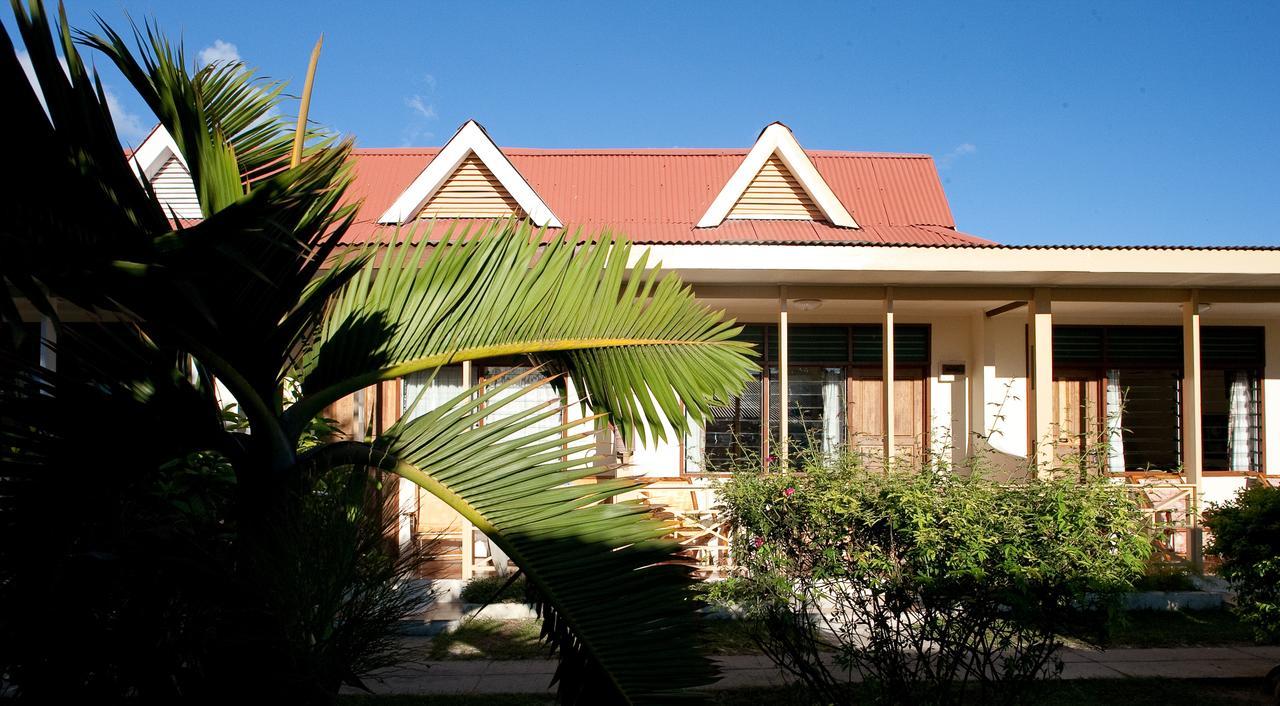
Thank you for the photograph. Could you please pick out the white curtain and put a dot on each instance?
(1114, 427)
(420, 393)
(832, 409)
(495, 376)
(694, 447)
(444, 386)
(1240, 438)
(498, 375)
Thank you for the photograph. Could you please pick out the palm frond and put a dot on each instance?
(578, 550)
(637, 344)
(69, 155)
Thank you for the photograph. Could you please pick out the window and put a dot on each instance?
(422, 392)
(1122, 385)
(1230, 397)
(834, 384)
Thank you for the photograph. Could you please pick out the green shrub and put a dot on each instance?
(1246, 535)
(922, 580)
(485, 589)
(1166, 579)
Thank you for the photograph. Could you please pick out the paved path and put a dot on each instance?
(534, 676)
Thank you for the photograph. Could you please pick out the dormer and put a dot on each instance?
(158, 161)
(777, 181)
(470, 178)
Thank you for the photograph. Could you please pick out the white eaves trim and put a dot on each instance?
(470, 138)
(777, 138)
(154, 151)
(173, 187)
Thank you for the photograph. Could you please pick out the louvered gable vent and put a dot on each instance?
(775, 193)
(175, 191)
(472, 191)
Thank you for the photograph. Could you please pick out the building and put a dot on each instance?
(873, 312)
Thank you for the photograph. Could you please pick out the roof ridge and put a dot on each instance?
(634, 151)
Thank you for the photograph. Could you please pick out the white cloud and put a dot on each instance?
(130, 127)
(219, 52)
(414, 137)
(430, 80)
(421, 107)
(961, 151)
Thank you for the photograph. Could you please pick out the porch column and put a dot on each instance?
(1192, 450)
(1040, 380)
(784, 401)
(468, 531)
(886, 364)
(977, 370)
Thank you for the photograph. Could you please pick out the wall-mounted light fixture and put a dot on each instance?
(807, 304)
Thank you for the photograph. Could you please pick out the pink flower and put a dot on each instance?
(758, 542)
(789, 492)
(770, 458)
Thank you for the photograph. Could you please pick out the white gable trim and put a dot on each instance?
(154, 151)
(470, 138)
(176, 192)
(777, 138)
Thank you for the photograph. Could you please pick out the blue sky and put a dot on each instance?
(1116, 123)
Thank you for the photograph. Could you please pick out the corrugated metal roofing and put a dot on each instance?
(657, 196)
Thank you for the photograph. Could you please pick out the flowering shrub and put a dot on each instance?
(1246, 534)
(921, 581)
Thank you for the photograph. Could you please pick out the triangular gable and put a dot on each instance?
(473, 180)
(159, 161)
(777, 180)
(472, 191)
(775, 192)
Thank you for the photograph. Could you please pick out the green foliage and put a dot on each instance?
(1166, 579)
(489, 589)
(259, 295)
(1246, 535)
(920, 579)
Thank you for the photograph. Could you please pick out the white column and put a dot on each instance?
(468, 530)
(784, 360)
(1192, 448)
(886, 365)
(977, 371)
(1040, 380)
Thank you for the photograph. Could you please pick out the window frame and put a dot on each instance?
(1099, 370)
(921, 370)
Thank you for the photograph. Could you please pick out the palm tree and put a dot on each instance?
(260, 291)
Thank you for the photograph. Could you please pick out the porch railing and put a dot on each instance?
(1172, 511)
(1170, 506)
(700, 527)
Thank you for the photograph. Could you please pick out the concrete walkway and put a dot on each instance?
(534, 676)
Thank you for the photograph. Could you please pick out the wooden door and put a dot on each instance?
(866, 413)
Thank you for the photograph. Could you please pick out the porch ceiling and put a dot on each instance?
(984, 267)
(847, 311)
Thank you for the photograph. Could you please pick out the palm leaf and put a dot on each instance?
(636, 344)
(577, 549)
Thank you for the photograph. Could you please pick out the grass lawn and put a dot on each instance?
(1130, 692)
(483, 638)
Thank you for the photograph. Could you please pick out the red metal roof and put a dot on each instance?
(657, 195)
